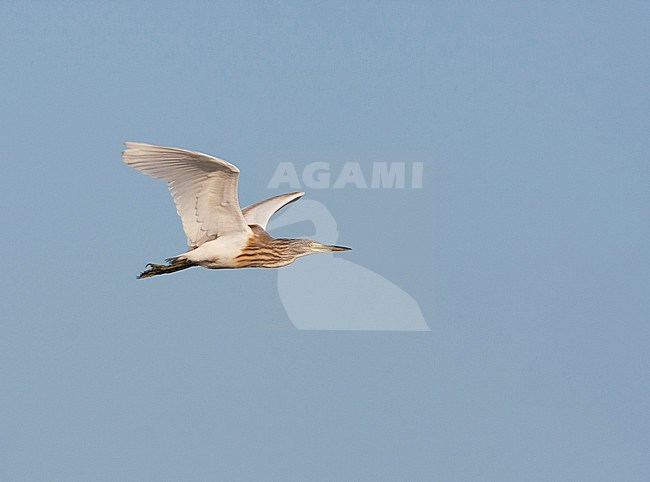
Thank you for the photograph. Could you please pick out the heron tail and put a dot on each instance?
(174, 264)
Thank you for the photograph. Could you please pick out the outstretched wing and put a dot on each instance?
(260, 212)
(204, 188)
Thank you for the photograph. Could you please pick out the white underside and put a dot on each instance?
(219, 253)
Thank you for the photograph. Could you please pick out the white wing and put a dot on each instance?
(260, 212)
(204, 188)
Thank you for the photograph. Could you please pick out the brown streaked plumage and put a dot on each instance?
(265, 251)
(219, 233)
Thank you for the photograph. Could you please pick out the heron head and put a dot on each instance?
(303, 247)
(317, 247)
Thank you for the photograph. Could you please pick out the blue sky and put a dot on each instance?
(526, 247)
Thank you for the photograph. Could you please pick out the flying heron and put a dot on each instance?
(219, 233)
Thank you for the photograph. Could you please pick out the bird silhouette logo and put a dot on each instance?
(328, 293)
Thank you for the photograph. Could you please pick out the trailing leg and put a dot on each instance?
(156, 269)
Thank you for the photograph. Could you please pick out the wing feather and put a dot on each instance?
(204, 188)
(260, 212)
